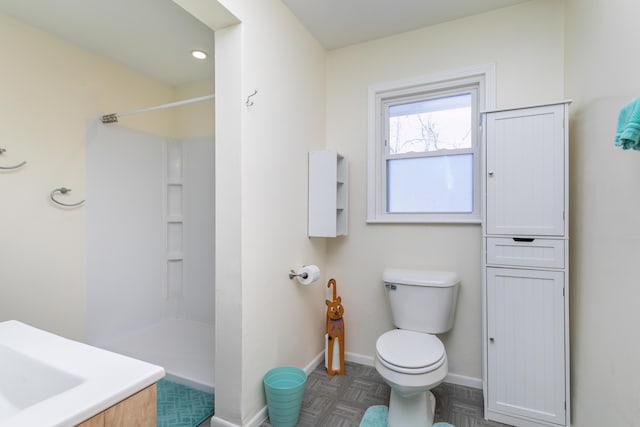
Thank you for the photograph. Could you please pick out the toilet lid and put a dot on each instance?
(410, 350)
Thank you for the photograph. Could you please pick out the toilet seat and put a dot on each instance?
(410, 352)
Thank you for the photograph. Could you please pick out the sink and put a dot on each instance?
(50, 381)
(25, 381)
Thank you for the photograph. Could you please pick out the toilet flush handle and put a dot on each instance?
(390, 286)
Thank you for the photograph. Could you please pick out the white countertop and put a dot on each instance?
(76, 381)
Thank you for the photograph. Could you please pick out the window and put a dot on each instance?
(424, 147)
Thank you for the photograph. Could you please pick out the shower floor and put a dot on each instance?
(185, 349)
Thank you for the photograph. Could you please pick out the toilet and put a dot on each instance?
(412, 359)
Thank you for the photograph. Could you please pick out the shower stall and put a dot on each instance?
(150, 249)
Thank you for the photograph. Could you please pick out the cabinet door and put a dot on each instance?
(526, 339)
(525, 174)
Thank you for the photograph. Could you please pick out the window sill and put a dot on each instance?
(412, 220)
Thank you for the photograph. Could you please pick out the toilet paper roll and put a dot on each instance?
(313, 274)
(335, 361)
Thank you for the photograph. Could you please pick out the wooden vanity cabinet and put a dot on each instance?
(138, 410)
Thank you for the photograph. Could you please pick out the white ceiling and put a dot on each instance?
(339, 23)
(156, 37)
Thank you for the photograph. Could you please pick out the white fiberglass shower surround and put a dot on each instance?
(150, 249)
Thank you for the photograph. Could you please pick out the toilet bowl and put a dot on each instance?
(412, 363)
(412, 359)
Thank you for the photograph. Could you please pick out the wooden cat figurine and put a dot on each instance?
(335, 329)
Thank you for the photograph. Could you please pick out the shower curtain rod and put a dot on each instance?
(113, 118)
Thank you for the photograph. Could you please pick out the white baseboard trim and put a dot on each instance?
(463, 380)
(219, 422)
(314, 363)
(358, 358)
(258, 418)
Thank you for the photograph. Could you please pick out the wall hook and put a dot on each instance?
(19, 165)
(249, 102)
(63, 190)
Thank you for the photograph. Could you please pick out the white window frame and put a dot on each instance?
(482, 76)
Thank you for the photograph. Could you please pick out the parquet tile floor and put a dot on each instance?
(341, 400)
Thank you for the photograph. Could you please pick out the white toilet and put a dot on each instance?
(411, 359)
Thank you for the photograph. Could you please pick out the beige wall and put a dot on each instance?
(602, 75)
(48, 90)
(526, 44)
(195, 120)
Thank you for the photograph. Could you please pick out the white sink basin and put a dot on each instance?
(25, 381)
(47, 380)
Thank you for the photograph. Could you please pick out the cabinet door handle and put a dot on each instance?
(491, 339)
(523, 239)
(490, 173)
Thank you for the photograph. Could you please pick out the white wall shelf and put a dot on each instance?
(328, 194)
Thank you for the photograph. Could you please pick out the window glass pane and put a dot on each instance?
(435, 184)
(430, 125)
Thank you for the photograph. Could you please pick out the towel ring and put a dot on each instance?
(63, 190)
(19, 165)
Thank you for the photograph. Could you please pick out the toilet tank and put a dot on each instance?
(422, 300)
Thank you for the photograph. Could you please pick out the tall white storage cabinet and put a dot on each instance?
(526, 310)
(328, 186)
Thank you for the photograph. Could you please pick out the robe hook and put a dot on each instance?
(249, 102)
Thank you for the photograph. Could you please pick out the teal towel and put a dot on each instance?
(628, 132)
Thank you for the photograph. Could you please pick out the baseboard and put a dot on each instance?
(358, 358)
(463, 380)
(256, 421)
(315, 362)
(258, 418)
(219, 422)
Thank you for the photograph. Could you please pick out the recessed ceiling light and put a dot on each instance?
(199, 54)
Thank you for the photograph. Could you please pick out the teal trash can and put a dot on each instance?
(284, 388)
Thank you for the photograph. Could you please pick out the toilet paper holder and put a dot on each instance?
(306, 275)
(302, 275)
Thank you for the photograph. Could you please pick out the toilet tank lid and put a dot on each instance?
(420, 277)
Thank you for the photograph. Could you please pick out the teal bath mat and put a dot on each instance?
(182, 406)
(376, 416)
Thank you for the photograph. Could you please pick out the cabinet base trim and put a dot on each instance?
(515, 420)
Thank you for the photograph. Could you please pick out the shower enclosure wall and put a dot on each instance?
(150, 249)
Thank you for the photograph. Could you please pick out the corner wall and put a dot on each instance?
(526, 44)
(263, 319)
(602, 75)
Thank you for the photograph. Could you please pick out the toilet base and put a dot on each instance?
(413, 411)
